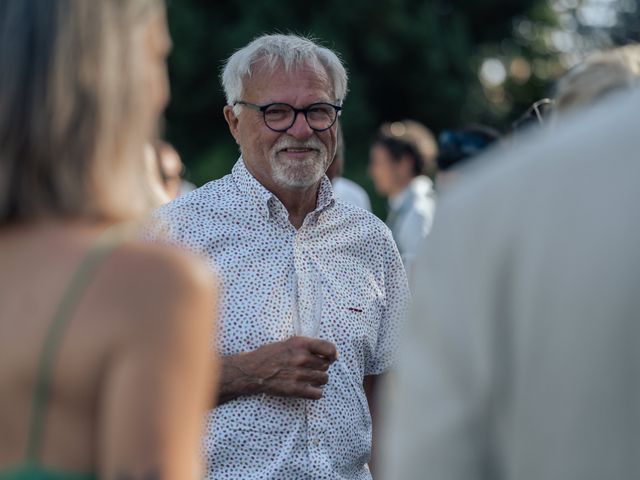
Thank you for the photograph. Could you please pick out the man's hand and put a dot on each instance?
(296, 367)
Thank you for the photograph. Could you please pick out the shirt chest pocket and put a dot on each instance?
(351, 319)
(257, 309)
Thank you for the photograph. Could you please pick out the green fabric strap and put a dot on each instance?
(101, 248)
(36, 472)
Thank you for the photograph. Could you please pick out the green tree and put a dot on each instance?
(406, 59)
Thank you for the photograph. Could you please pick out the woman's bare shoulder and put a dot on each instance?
(152, 284)
(149, 259)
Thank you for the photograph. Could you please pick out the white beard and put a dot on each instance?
(298, 173)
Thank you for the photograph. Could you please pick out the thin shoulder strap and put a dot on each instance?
(101, 248)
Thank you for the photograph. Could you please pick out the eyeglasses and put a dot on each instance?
(541, 109)
(536, 112)
(280, 117)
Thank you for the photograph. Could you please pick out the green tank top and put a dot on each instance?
(30, 468)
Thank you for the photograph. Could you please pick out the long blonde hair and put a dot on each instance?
(73, 118)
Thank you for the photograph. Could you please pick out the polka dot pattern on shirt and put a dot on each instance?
(339, 278)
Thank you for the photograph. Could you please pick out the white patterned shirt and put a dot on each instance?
(339, 278)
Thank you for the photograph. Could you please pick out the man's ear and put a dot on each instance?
(232, 121)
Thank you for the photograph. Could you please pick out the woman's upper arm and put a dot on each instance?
(161, 375)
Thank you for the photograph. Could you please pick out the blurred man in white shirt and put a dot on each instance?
(400, 157)
(522, 359)
(344, 189)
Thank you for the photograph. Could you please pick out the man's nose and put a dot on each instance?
(300, 128)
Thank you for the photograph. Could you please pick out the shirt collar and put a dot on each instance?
(396, 201)
(325, 195)
(420, 186)
(251, 188)
(266, 200)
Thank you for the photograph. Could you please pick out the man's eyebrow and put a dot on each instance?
(304, 105)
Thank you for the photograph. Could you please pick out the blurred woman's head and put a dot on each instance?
(82, 86)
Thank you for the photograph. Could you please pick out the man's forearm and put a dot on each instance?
(235, 379)
(296, 367)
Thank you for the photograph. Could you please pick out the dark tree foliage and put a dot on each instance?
(406, 59)
(627, 28)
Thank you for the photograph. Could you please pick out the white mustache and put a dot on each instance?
(312, 143)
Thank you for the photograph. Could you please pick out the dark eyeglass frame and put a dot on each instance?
(263, 109)
(535, 108)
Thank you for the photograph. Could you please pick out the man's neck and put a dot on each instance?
(299, 202)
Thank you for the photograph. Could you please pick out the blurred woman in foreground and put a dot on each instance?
(106, 370)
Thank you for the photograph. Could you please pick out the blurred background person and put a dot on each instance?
(171, 170)
(164, 170)
(101, 336)
(400, 157)
(522, 358)
(600, 74)
(535, 116)
(153, 176)
(458, 147)
(344, 189)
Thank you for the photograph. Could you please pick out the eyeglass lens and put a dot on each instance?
(281, 116)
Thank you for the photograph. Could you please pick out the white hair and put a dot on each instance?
(291, 51)
(602, 72)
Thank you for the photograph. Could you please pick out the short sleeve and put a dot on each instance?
(394, 311)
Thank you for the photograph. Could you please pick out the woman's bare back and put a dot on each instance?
(106, 377)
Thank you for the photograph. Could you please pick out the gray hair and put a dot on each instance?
(292, 51)
(602, 72)
(71, 108)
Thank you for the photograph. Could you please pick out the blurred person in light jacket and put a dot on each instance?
(400, 157)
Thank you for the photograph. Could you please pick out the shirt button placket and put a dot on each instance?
(298, 264)
(303, 282)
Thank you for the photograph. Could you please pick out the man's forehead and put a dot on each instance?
(277, 79)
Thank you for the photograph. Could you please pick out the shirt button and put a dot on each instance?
(315, 441)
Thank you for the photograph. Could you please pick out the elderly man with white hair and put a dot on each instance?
(313, 289)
